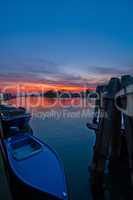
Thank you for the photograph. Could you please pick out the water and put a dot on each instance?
(62, 124)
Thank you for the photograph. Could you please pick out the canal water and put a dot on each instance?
(62, 124)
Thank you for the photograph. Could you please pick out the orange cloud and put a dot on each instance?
(37, 87)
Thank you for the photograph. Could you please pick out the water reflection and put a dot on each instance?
(74, 144)
(56, 108)
(42, 102)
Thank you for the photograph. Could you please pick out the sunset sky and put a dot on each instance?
(67, 44)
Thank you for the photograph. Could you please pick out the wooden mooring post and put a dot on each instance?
(109, 129)
(127, 107)
(109, 126)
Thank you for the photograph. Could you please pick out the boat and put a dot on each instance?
(35, 167)
(13, 116)
(35, 170)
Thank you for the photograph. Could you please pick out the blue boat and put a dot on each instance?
(34, 169)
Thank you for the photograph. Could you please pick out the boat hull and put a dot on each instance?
(40, 176)
(22, 191)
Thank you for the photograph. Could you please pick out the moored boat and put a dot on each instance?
(35, 168)
(13, 116)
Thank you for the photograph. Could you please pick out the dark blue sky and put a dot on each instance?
(71, 41)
